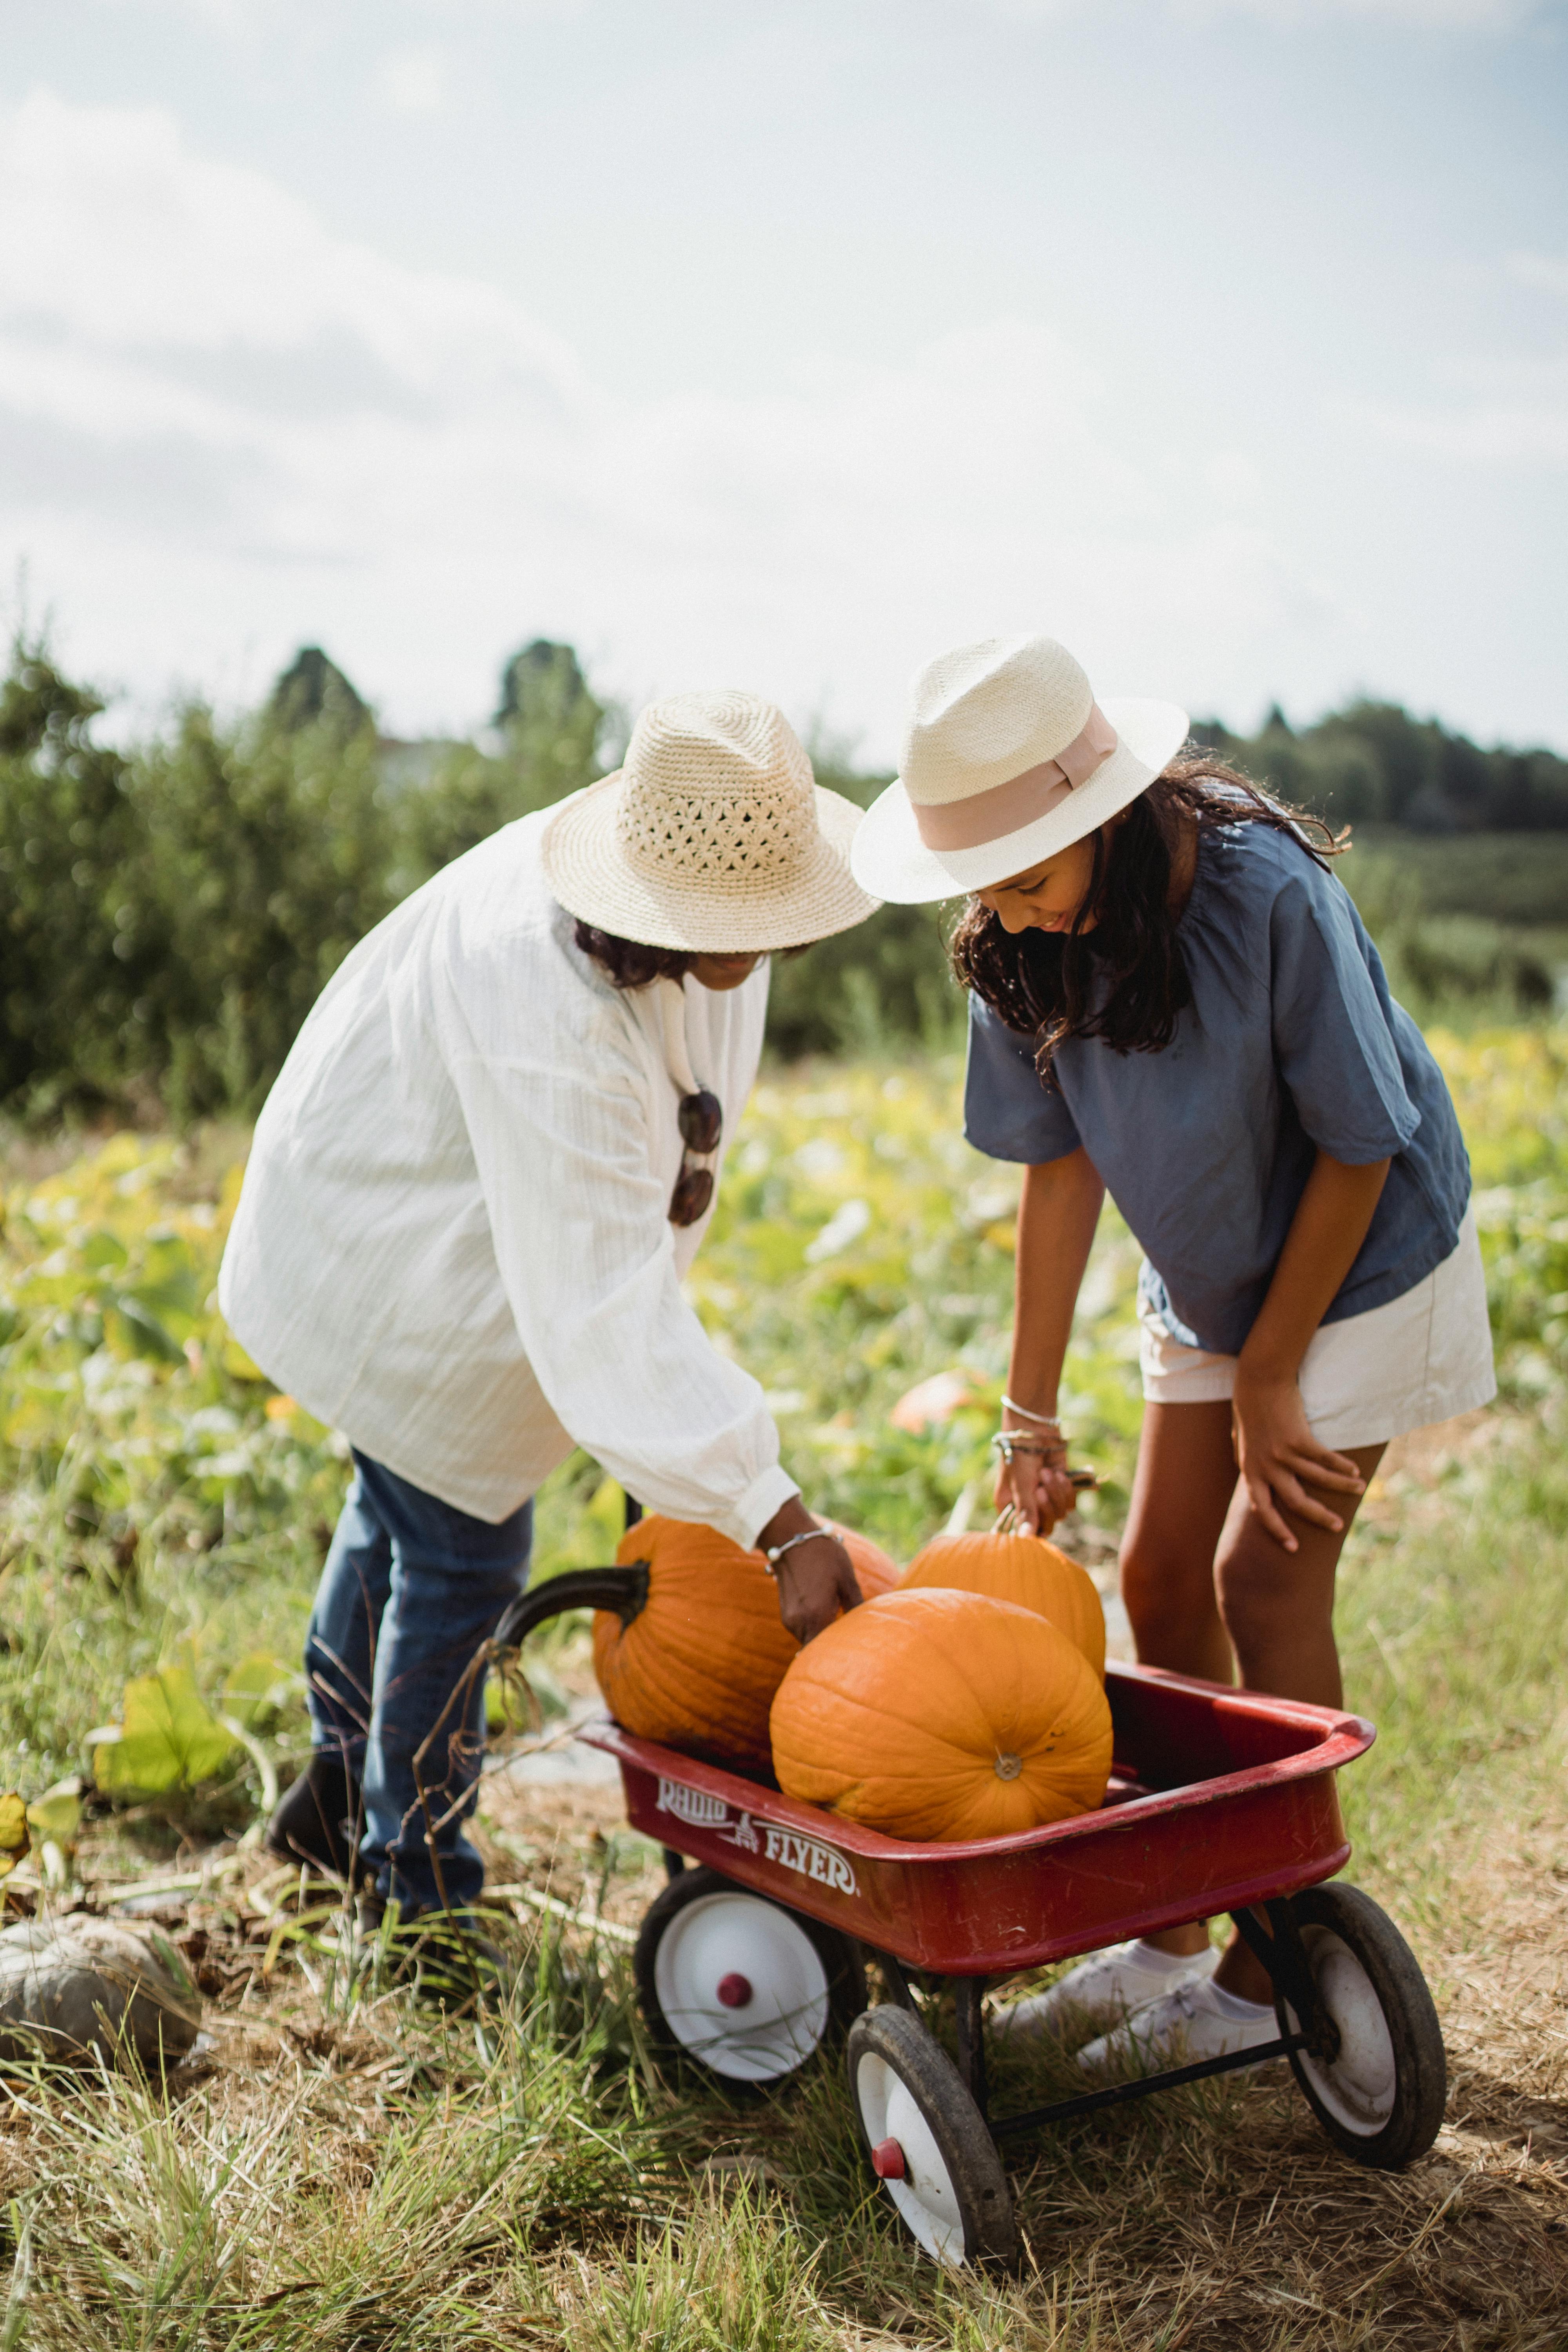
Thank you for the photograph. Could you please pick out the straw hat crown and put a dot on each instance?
(716, 787)
(985, 713)
(1008, 758)
(711, 837)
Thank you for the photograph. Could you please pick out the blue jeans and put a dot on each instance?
(411, 1588)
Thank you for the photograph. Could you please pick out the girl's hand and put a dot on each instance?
(1037, 1488)
(1276, 1452)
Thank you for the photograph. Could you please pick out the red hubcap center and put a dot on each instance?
(887, 2160)
(734, 1990)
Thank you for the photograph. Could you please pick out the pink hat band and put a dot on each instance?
(1006, 808)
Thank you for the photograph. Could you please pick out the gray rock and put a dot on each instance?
(76, 1989)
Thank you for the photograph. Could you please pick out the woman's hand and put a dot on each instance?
(1037, 1488)
(816, 1580)
(1279, 1458)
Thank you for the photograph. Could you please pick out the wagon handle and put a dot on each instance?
(624, 1589)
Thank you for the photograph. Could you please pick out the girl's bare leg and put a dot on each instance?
(1278, 1605)
(1182, 1491)
(1279, 1608)
(1200, 1577)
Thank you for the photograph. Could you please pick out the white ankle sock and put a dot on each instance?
(1159, 1963)
(1231, 2004)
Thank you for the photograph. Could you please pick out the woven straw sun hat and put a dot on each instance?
(711, 836)
(1007, 759)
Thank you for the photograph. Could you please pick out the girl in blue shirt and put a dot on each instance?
(1173, 999)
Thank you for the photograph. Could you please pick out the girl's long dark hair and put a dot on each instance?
(1131, 984)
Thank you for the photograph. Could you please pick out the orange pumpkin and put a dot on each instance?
(697, 1667)
(939, 1714)
(1023, 1569)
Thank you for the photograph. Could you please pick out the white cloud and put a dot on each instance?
(411, 81)
(1518, 418)
(1507, 408)
(223, 426)
(1549, 271)
(1416, 16)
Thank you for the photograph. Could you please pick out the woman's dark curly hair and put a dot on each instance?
(1124, 980)
(626, 963)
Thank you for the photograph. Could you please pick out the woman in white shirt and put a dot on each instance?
(484, 1168)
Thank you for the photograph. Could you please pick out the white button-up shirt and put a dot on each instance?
(453, 1241)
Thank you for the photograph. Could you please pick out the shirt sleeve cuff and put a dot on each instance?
(765, 1494)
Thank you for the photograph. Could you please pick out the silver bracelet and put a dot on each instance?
(1040, 1420)
(773, 1553)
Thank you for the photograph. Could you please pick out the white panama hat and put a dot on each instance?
(711, 836)
(1007, 759)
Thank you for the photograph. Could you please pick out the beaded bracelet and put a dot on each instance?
(1009, 1442)
(773, 1553)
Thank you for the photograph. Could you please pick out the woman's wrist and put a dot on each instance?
(1030, 1413)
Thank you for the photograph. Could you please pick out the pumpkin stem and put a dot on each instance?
(624, 1589)
(1008, 1767)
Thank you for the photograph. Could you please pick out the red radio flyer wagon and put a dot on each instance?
(1219, 1800)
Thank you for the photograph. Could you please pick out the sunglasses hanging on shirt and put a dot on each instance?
(702, 1118)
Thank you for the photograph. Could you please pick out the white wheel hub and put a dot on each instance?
(742, 1986)
(925, 2196)
(1360, 2087)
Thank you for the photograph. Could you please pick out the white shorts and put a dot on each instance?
(1422, 1358)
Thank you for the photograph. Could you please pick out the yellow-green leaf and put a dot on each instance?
(14, 1843)
(169, 1739)
(56, 1814)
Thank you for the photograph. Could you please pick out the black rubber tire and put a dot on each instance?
(840, 1958)
(1420, 2064)
(968, 2153)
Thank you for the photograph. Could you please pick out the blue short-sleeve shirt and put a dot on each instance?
(1292, 1045)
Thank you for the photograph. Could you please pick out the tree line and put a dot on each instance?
(172, 911)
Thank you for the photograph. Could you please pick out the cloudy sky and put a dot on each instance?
(782, 342)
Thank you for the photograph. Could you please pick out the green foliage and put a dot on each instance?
(72, 966)
(313, 692)
(172, 912)
(264, 853)
(1373, 762)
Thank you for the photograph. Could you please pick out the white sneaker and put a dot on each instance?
(1102, 1990)
(1199, 2019)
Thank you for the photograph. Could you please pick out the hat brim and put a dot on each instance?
(588, 873)
(890, 857)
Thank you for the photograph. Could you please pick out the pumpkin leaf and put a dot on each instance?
(169, 1739)
(147, 1332)
(15, 1842)
(56, 1814)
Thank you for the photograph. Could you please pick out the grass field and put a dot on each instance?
(342, 2168)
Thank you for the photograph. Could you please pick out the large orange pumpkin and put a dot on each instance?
(1025, 1569)
(697, 1667)
(938, 1715)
